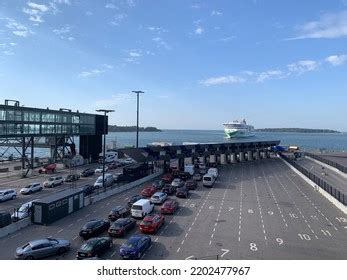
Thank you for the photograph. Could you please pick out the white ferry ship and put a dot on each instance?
(238, 129)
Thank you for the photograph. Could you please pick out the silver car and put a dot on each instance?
(41, 248)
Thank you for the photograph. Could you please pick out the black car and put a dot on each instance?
(88, 189)
(158, 184)
(118, 212)
(94, 247)
(191, 184)
(168, 189)
(94, 228)
(134, 198)
(184, 175)
(182, 192)
(87, 172)
(72, 178)
(120, 227)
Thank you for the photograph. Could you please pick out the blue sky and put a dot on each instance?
(200, 63)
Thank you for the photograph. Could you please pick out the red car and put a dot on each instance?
(148, 191)
(169, 206)
(48, 168)
(167, 178)
(151, 223)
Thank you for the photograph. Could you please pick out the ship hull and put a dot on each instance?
(238, 133)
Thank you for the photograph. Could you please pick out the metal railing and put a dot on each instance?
(329, 162)
(341, 197)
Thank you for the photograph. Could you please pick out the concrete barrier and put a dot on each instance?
(95, 198)
(14, 227)
(4, 170)
(18, 167)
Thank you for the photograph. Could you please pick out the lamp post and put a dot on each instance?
(104, 149)
(137, 123)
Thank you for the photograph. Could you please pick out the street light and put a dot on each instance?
(104, 149)
(137, 123)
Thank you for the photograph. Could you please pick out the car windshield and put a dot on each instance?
(132, 243)
(155, 196)
(146, 223)
(51, 179)
(89, 225)
(137, 207)
(23, 208)
(99, 180)
(27, 187)
(207, 179)
(88, 246)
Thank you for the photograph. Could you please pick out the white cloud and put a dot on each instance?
(199, 30)
(108, 66)
(161, 43)
(41, 8)
(8, 52)
(64, 30)
(117, 19)
(13, 44)
(336, 60)
(216, 13)
(231, 79)
(328, 26)
(134, 54)
(35, 11)
(111, 6)
(95, 72)
(226, 39)
(195, 6)
(89, 13)
(270, 74)
(17, 28)
(303, 66)
(114, 100)
(67, 2)
(157, 29)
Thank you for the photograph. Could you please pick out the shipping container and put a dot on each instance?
(57, 206)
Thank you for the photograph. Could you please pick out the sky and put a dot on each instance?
(200, 63)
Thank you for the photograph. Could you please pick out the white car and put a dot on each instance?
(31, 188)
(99, 169)
(7, 194)
(158, 197)
(23, 212)
(177, 183)
(53, 181)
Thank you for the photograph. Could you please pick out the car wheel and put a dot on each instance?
(61, 251)
(30, 192)
(13, 197)
(29, 258)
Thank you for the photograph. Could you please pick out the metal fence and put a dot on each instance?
(329, 162)
(319, 181)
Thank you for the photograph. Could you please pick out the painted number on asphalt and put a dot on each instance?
(304, 236)
(231, 208)
(211, 207)
(226, 251)
(342, 220)
(314, 217)
(326, 232)
(250, 211)
(279, 241)
(192, 205)
(292, 215)
(253, 247)
(270, 213)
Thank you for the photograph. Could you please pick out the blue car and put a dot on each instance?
(135, 246)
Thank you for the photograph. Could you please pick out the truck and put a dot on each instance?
(109, 157)
(293, 148)
(51, 167)
(135, 171)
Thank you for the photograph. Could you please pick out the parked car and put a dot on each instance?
(169, 207)
(5, 219)
(208, 180)
(94, 247)
(31, 188)
(72, 178)
(38, 249)
(197, 177)
(88, 189)
(118, 212)
(94, 228)
(22, 212)
(158, 197)
(168, 189)
(191, 184)
(148, 191)
(48, 168)
(213, 171)
(87, 172)
(113, 165)
(121, 227)
(135, 246)
(151, 223)
(118, 177)
(100, 168)
(177, 183)
(7, 194)
(158, 184)
(167, 178)
(53, 182)
(184, 175)
(135, 198)
(141, 208)
(108, 181)
(182, 192)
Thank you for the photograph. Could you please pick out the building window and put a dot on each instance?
(76, 119)
(2, 115)
(48, 129)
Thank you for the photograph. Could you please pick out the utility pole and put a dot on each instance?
(137, 114)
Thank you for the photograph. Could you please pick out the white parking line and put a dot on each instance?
(70, 225)
(75, 237)
(87, 215)
(61, 230)
(178, 249)
(79, 220)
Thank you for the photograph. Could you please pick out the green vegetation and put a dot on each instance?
(297, 130)
(116, 128)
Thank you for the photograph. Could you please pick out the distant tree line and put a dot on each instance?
(298, 130)
(116, 128)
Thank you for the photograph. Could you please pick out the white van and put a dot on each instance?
(108, 181)
(213, 171)
(23, 212)
(109, 157)
(208, 180)
(141, 208)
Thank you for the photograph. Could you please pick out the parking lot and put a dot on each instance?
(256, 210)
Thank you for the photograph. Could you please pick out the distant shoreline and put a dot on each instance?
(116, 128)
(297, 130)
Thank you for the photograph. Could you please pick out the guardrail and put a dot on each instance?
(328, 162)
(341, 197)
